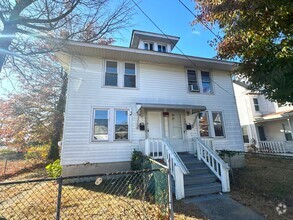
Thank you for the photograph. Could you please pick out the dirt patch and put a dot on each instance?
(265, 183)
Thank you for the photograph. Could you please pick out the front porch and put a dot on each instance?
(197, 172)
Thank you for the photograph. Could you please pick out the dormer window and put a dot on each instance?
(148, 46)
(161, 48)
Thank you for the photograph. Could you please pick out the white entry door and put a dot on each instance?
(154, 124)
(176, 131)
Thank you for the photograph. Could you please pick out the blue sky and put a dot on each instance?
(173, 19)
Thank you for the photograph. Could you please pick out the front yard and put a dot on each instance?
(264, 184)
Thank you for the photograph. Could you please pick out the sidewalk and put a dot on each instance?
(222, 207)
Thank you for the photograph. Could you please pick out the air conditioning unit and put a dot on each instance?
(193, 88)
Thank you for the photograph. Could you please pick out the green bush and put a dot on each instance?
(54, 169)
(137, 159)
(37, 153)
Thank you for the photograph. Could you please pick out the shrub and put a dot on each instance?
(54, 169)
(137, 159)
(37, 153)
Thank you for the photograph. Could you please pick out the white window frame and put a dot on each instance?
(111, 124)
(223, 124)
(114, 123)
(120, 74)
(135, 74)
(93, 124)
(162, 45)
(254, 105)
(211, 82)
(149, 45)
(199, 82)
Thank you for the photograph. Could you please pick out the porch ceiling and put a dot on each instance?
(170, 106)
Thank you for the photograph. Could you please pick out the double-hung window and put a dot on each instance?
(245, 134)
(161, 48)
(129, 75)
(101, 125)
(148, 46)
(204, 124)
(111, 75)
(121, 125)
(218, 124)
(206, 82)
(256, 105)
(111, 125)
(192, 81)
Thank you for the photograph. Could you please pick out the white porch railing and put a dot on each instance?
(214, 162)
(161, 149)
(276, 147)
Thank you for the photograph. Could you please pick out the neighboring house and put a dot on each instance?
(265, 123)
(120, 99)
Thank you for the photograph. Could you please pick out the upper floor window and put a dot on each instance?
(111, 76)
(120, 74)
(192, 81)
(148, 46)
(206, 82)
(218, 124)
(256, 105)
(204, 124)
(129, 75)
(101, 121)
(161, 48)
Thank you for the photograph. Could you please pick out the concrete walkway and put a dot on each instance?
(222, 207)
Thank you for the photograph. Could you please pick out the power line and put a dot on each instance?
(205, 25)
(174, 45)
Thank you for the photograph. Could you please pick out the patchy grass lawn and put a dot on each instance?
(265, 182)
(38, 201)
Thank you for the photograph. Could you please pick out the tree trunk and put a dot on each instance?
(58, 120)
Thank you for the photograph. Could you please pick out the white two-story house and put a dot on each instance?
(266, 124)
(120, 99)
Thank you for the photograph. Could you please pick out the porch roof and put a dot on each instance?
(275, 116)
(170, 106)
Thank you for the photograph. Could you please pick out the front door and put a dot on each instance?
(261, 132)
(176, 133)
(154, 124)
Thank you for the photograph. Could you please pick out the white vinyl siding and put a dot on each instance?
(157, 84)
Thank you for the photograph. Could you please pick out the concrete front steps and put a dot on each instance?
(200, 180)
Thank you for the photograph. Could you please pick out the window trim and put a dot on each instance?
(120, 75)
(223, 124)
(114, 124)
(125, 74)
(93, 124)
(256, 104)
(111, 124)
(211, 82)
(208, 123)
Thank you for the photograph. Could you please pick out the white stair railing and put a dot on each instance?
(162, 149)
(277, 147)
(214, 162)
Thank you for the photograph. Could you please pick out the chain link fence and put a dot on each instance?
(140, 194)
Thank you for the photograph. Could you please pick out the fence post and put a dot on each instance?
(58, 207)
(5, 166)
(170, 193)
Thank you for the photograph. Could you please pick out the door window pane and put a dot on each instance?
(101, 122)
(121, 125)
(218, 124)
(203, 124)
